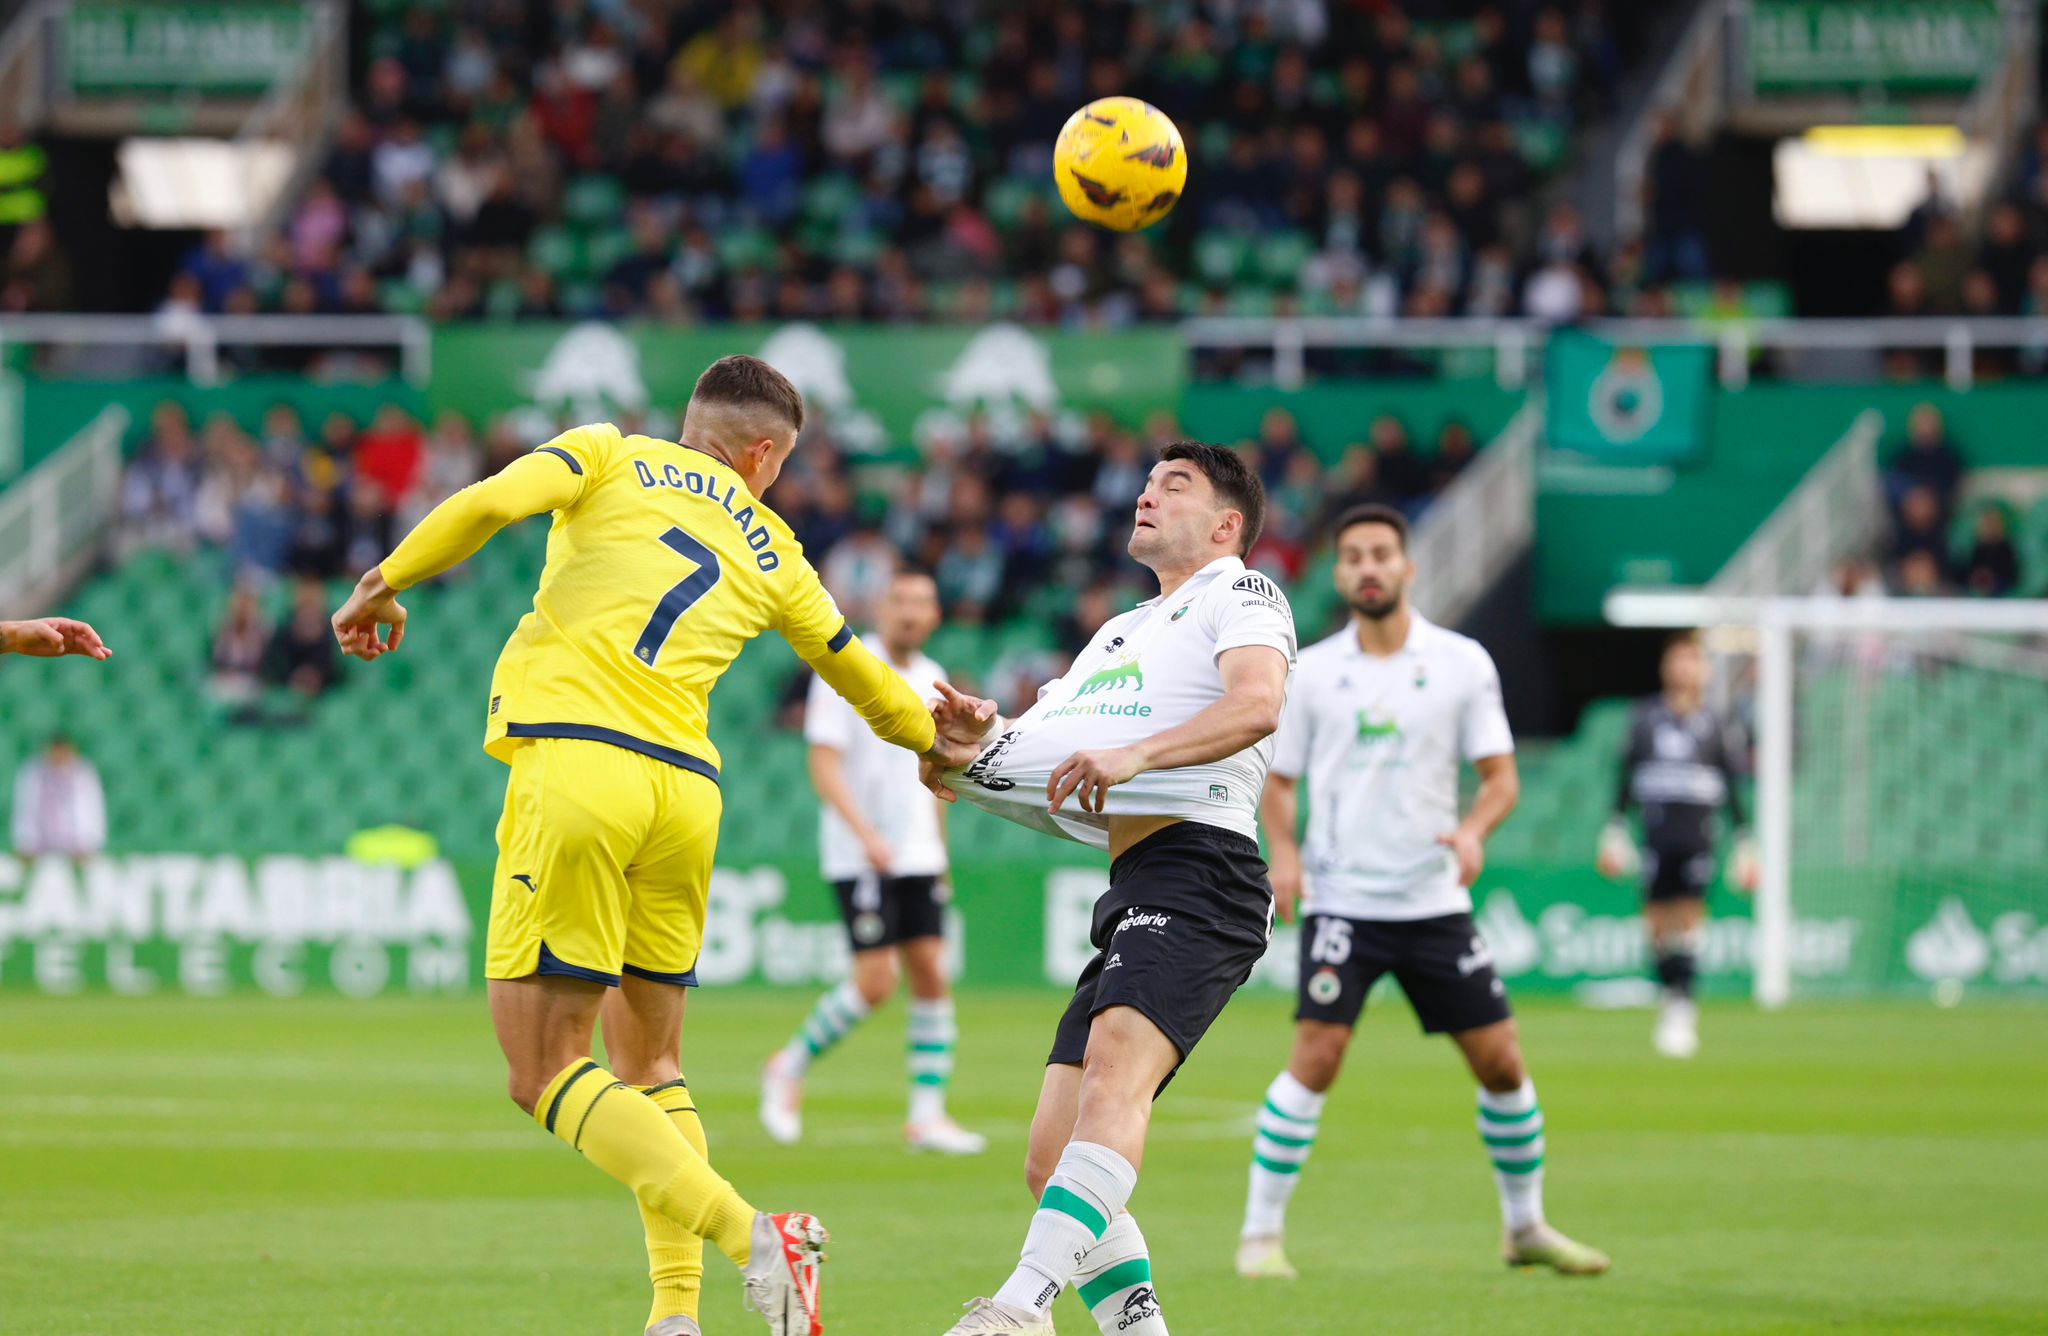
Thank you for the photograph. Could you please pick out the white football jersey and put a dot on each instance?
(1381, 741)
(1144, 672)
(884, 781)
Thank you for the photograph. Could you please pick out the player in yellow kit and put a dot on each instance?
(662, 564)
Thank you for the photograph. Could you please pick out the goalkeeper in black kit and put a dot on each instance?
(1679, 767)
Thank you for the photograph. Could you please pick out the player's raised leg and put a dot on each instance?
(643, 1023)
(1511, 1128)
(832, 1018)
(1286, 1132)
(934, 1032)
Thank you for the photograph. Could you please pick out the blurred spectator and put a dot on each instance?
(302, 655)
(389, 455)
(1920, 576)
(1400, 474)
(160, 492)
(1922, 527)
(59, 807)
(1455, 449)
(1943, 261)
(858, 570)
(1675, 204)
(38, 276)
(240, 643)
(1993, 567)
(1926, 460)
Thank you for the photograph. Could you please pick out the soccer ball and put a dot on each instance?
(1120, 164)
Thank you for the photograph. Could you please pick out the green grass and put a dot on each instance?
(324, 1166)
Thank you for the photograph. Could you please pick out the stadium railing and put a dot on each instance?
(201, 337)
(1481, 524)
(51, 520)
(1517, 342)
(1837, 509)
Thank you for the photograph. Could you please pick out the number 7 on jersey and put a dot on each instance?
(679, 599)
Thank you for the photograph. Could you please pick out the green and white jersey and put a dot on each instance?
(1380, 741)
(1144, 672)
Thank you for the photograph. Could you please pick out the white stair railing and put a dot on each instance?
(54, 516)
(1834, 512)
(1480, 525)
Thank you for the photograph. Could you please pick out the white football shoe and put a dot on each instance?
(943, 1136)
(1678, 1029)
(1260, 1257)
(782, 1101)
(784, 1270)
(676, 1326)
(986, 1316)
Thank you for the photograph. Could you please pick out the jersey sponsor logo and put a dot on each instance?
(1325, 986)
(1138, 1308)
(1113, 677)
(1114, 960)
(1219, 793)
(979, 771)
(1254, 583)
(674, 477)
(1374, 731)
(1180, 612)
(1478, 958)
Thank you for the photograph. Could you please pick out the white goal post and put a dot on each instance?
(1975, 633)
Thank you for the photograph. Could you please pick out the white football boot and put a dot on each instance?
(1260, 1257)
(943, 1136)
(1678, 1028)
(782, 1101)
(783, 1273)
(986, 1317)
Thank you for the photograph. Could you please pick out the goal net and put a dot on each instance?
(1901, 748)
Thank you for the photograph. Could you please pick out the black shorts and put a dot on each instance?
(888, 911)
(1441, 964)
(1683, 872)
(1188, 914)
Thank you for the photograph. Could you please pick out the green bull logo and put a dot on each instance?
(1368, 731)
(1113, 677)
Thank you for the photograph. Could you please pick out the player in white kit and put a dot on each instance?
(1154, 745)
(1380, 717)
(882, 845)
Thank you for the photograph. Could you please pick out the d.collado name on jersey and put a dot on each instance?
(676, 478)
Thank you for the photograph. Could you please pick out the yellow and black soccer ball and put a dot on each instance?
(1120, 164)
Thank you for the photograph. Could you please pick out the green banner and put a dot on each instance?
(1898, 46)
(288, 924)
(882, 389)
(118, 48)
(1622, 405)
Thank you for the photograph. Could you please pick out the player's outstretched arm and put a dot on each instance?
(52, 637)
(451, 533)
(1254, 690)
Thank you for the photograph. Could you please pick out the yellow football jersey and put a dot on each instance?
(660, 568)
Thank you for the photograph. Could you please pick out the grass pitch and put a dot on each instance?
(321, 1166)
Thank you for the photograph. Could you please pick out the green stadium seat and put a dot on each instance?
(1221, 257)
(1281, 257)
(556, 251)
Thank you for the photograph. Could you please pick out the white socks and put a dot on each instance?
(1511, 1125)
(834, 1016)
(933, 1033)
(1115, 1281)
(1087, 1191)
(1287, 1132)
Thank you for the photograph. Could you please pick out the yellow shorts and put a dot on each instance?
(604, 865)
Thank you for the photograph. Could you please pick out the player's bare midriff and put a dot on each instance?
(1125, 831)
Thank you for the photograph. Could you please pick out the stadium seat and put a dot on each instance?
(593, 202)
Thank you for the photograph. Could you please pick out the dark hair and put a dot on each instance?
(1685, 637)
(1371, 513)
(910, 570)
(1235, 483)
(749, 382)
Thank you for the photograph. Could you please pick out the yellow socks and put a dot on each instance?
(675, 1257)
(627, 1135)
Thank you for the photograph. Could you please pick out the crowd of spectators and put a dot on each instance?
(1939, 545)
(1032, 525)
(892, 160)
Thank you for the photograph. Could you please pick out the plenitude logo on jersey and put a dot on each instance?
(673, 477)
(1116, 681)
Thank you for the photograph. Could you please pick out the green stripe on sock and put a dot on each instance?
(928, 1078)
(1278, 1140)
(921, 1046)
(1137, 1271)
(1279, 1112)
(1519, 1166)
(1496, 1116)
(1274, 1166)
(1059, 1199)
(1523, 1139)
